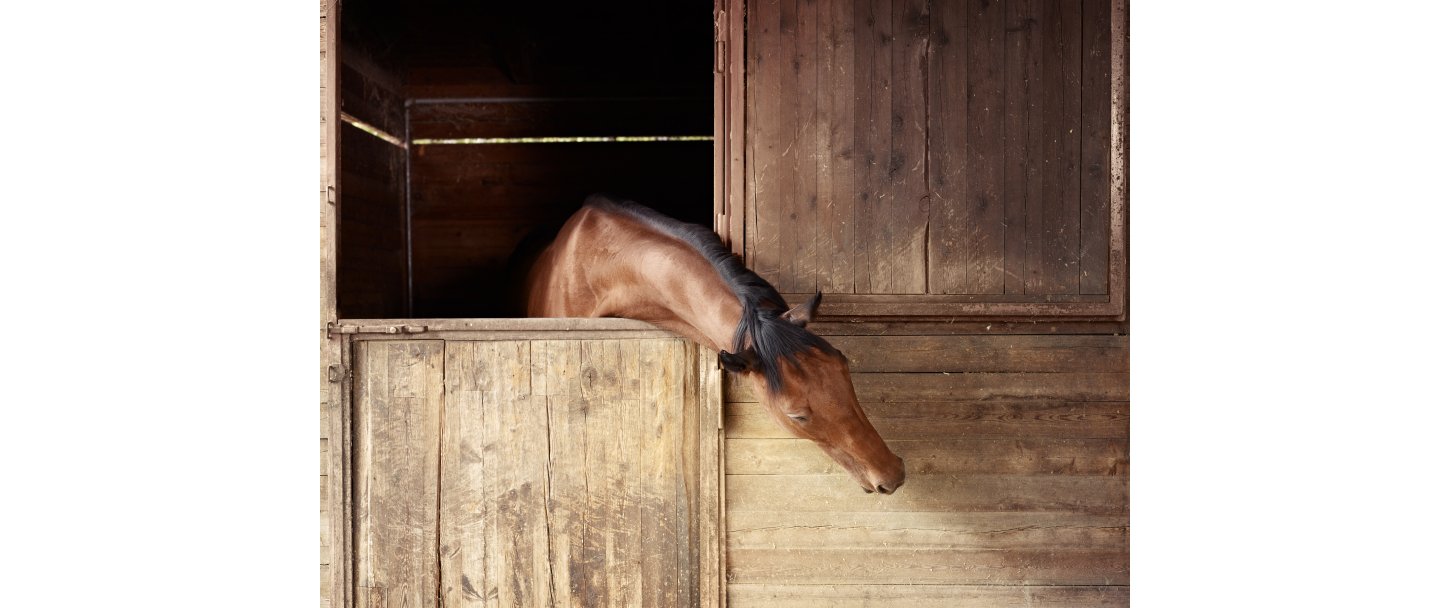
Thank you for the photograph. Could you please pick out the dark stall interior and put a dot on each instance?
(454, 144)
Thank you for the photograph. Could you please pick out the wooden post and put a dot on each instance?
(336, 555)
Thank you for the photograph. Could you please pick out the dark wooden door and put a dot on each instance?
(938, 158)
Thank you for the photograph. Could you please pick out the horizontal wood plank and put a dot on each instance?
(929, 566)
(1102, 495)
(971, 455)
(750, 595)
(948, 420)
(977, 531)
(970, 386)
(906, 353)
(958, 327)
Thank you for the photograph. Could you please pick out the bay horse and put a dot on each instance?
(616, 258)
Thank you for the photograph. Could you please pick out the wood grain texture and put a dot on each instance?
(972, 386)
(766, 148)
(399, 399)
(1017, 455)
(836, 181)
(533, 472)
(929, 566)
(939, 492)
(873, 45)
(493, 522)
(984, 109)
(798, 196)
(335, 583)
(948, 250)
(947, 420)
(1061, 133)
(926, 596)
(974, 531)
(978, 456)
(984, 353)
(901, 265)
(977, 135)
(1096, 146)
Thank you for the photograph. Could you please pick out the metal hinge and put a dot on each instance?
(375, 329)
(335, 374)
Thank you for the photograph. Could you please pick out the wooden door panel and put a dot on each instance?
(966, 159)
(536, 471)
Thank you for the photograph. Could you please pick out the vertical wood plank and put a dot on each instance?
(558, 369)
(464, 515)
(985, 117)
(1118, 170)
(873, 33)
(494, 535)
(1035, 90)
(711, 472)
(1096, 118)
(626, 584)
(399, 404)
(797, 103)
(907, 165)
(336, 585)
(1017, 39)
(661, 397)
(837, 212)
(949, 247)
(737, 177)
(1062, 64)
(765, 141)
(602, 391)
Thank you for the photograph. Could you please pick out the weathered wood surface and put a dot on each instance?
(969, 455)
(333, 577)
(535, 472)
(971, 386)
(1017, 455)
(925, 596)
(398, 402)
(955, 419)
(977, 137)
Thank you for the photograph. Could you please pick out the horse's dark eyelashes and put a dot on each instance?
(801, 419)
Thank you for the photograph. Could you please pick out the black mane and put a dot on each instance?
(761, 327)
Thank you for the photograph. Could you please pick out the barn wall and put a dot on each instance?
(1016, 449)
(954, 150)
(372, 265)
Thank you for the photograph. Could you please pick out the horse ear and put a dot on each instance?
(737, 363)
(804, 312)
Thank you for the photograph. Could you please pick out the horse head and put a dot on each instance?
(809, 392)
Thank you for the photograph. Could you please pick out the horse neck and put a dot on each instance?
(684, 293)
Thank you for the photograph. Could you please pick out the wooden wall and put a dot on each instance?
(1016, 449)
(959, 151)
(372, 266)
(524, 469)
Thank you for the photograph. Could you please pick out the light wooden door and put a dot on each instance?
(536, 472)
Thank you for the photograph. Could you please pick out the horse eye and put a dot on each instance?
(798, 418)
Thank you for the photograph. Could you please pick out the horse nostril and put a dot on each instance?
(882, 489)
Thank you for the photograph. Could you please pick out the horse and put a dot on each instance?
(616, 258)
